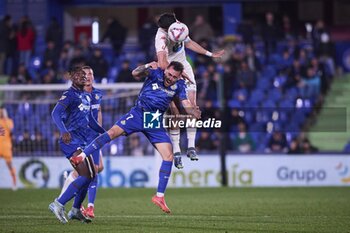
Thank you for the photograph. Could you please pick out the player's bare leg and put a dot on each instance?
(191, 132)
(98, 143)
(175, 136)
(13, 174)
(166, 151)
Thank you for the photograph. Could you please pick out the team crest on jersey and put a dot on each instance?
(154, 86)
(63, 97)
(122, 122)
(97, 97)
(173, 87)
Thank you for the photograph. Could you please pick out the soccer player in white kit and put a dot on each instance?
(168, 51)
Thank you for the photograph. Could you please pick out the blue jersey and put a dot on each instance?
(96, 97)
(155, 96)
(75, 118)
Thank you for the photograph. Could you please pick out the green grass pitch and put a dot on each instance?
(193, 210)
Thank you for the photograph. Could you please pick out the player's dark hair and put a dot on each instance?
(86, 67)
(177, 66)
(74, 70)
(166, 19)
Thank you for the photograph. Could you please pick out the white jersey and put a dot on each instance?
(175, 51)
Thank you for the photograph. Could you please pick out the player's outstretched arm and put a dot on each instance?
(194, 46)
(143, 70)
(56, 114)
(190, 109)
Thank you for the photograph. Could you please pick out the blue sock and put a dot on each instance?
(79, 198)
(97, 144)
(93, 190)
(73, 189)
(164, 174)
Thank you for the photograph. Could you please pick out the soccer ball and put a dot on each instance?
(178, 32)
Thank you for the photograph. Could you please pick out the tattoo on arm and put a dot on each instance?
(140, 72)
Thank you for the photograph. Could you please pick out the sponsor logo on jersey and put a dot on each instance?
(83, 107)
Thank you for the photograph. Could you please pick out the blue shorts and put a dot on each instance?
(69, 149)
(133, 122)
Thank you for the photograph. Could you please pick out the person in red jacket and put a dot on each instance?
(25, 42)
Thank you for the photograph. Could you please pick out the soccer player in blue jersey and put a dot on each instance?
(96, 97)
(159, 89)
(73, 116)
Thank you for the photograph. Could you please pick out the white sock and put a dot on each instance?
(91, 205)
(191, 137)
(67, 182)
(160, 194)
(175, 139)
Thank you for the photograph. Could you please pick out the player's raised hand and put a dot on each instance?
(196, 112)
(185, 77)
(66, 137)
(218, 54)
(2, 131)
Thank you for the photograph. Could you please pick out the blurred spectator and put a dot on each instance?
(245, 29)
(208, 110)
(54, 33)
(40, 143)
(307, 148)
(134, 146)
(25, 144)
(270, 33)
(288, 28)
(116, 33)
(243, 142)
(286, 61)
(84, 44)
(51, 53)
(124, 74)
(25, 42)
(277, 143)
(205, 143)
(78, 58)
(146, 37)
(245, 77)
(251, 59)
(99, 65)
(5, 32)
(203, 60)
(11, 52)
(69, 47)
(63, 61)
(22, 75)
(228, 78)
(312, 84)
(235, 118)
(200, 29)
(294, 147)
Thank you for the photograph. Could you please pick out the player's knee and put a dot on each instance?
(168, 157)
(86, 168)
(114, 132)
